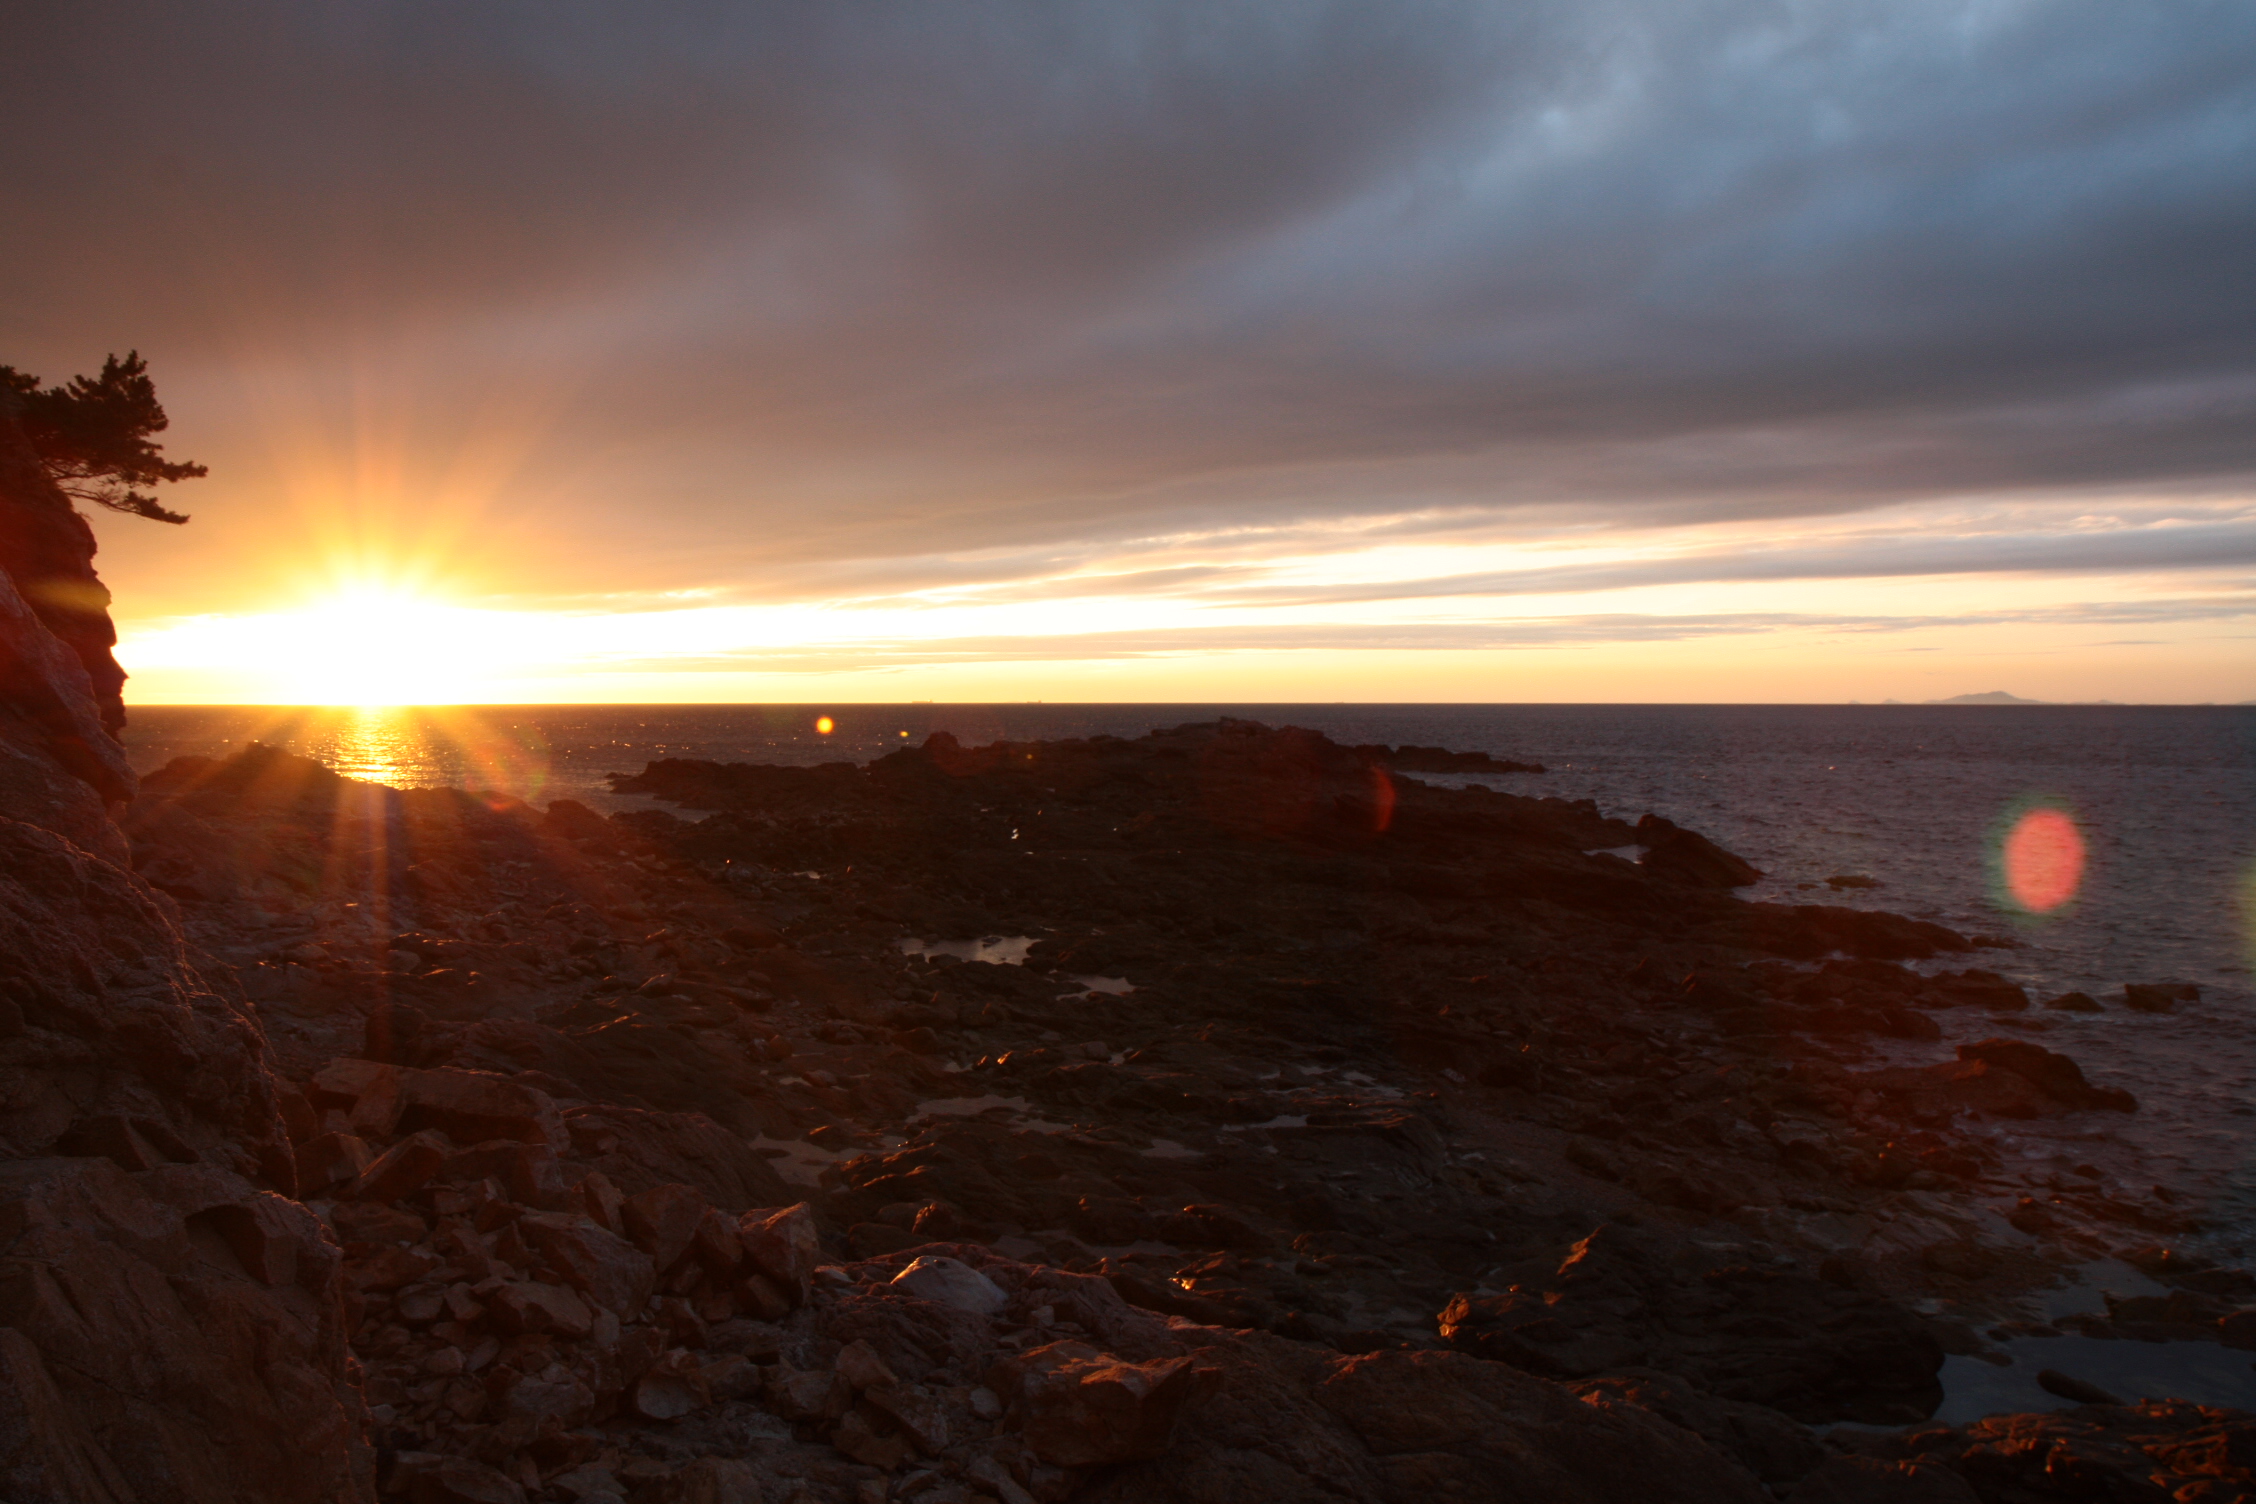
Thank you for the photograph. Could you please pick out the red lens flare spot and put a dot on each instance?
(2044, 860)
(824, 725)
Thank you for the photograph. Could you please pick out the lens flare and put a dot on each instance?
(824, 725)
(2043, 858)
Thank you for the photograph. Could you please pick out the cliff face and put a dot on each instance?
(47, 551)
(170, 1323)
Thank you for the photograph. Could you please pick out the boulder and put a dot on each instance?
(663, 1221)
(188, 1328)
(1078, 1407)
(601, 1265)
(468, 1106)
(1687, 857)
(2158, 997)
(2056, 1075)
(950, 1282)
(782, 1244)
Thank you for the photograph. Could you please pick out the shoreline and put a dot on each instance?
(1271, 1132)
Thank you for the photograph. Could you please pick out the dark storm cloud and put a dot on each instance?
(799, 284)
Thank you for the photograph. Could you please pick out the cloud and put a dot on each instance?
(781, 292)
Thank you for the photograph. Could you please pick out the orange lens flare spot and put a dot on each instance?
(2044, 860)
(824, 725)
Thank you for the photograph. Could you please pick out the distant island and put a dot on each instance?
(1988, 697)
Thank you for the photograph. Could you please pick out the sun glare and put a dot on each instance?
(380, 647)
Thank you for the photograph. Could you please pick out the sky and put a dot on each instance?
(1671, 350)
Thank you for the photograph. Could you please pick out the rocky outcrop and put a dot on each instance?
(1775, 1338)
(47, 554)
(173, 1323)
(663, 1167)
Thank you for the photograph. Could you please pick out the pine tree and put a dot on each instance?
(92, 436)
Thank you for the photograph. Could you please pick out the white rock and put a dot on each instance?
(951, 1282)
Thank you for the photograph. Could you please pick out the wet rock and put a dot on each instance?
(1687, 857)
(2075, 1002)
(2056, 1075)
(2069, 1387)
(2158, 997)
(2156, 1450)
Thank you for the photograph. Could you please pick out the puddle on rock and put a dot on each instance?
(1167, 1148)
(995, 950)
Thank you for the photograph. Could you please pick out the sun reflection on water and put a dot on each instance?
(408, 746)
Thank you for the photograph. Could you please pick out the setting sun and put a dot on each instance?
(362, 646)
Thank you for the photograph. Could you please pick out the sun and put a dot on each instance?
(373, 646)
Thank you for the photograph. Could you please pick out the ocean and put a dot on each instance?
(1913, 803)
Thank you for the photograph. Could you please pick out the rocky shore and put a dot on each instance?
(1223, 1114)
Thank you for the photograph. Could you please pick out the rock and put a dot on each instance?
(706, 1480)
(782, 1245)
(807, 1394)
(2158, 997)
(671, 1388)
(1767, 1337)
(1440, 1423)
(522, 1306)
(2075, 1002)
(1684, 856)
(950, 1282)
(1078, 1407)
(1774, 1447)
(2056, 1075)
(597, 1199)
(1867, 1480)
(42, 1446)
(2150, 1453)
(663, 1221)
(554, 1393)
(1974, 988)
(178, 1315)
(2069, 1387)
(328, 1158)
(860, 1366)
(601, 1265)
(458, 1480)
(469, 1106)
(913, 1409)
(403, 1168)
(860, 1440)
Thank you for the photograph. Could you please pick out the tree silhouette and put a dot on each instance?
(92, 436)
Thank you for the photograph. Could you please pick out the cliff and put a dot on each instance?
(170, 1321)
